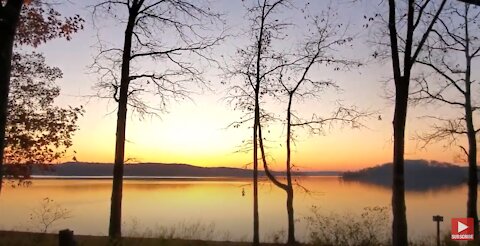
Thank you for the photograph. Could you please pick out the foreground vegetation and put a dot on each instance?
(13, 238)
(367, 228)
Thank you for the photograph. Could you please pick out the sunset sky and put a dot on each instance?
(195, 132)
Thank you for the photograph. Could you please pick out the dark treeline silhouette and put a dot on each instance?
(420, 175)
(157, 170)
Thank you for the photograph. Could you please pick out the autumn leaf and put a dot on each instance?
(38, 132)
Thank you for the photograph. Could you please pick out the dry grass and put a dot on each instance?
(369, 228)
(14, 238)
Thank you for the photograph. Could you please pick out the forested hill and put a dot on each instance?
(156, 169)
(419, 175)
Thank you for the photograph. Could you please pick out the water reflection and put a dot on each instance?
(166, 203)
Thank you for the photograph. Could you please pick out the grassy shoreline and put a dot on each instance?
(19, 238)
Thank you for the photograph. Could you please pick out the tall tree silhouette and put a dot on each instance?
(187, 25)
(452, 49)
(26, 22)
(268, 70)
(253, 66)
(407, 40)
(294, 82)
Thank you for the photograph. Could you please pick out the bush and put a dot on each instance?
(47, 214)
(368, 228)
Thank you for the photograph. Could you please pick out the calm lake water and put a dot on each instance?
(152, 204)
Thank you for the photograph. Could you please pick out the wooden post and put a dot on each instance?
(438, 219)
(65, 238)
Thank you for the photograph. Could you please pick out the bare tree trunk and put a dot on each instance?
(288, 188)
(290, 211)
(399, 227)
(256, 229)
(256, 129)
(115, 229)
(472, 143)
(472, 172)
(471, 134)
(9, 16)
(291, 218)
(399, 224)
